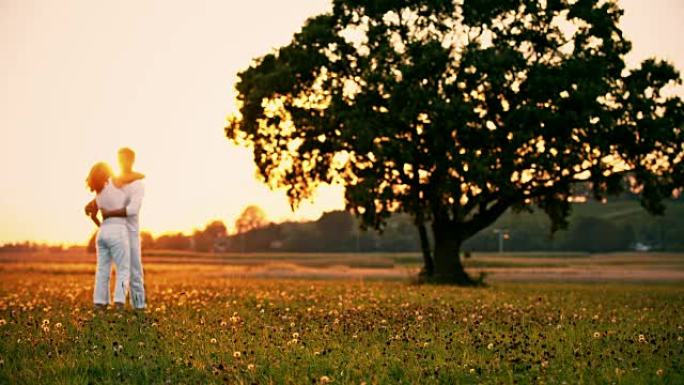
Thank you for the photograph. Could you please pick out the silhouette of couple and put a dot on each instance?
(118, 200)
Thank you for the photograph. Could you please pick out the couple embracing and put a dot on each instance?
(118, 200)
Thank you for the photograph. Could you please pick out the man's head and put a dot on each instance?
(126, 159)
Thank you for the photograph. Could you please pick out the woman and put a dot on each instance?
(112, 238)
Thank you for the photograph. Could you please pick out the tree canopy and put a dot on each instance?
(454, 112)
(251, 218)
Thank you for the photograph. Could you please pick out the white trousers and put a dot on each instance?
(112, 246)
(137, 276)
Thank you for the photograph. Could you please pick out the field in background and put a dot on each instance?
(533, 267)
(213, 322)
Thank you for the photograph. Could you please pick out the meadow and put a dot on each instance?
(204, 325)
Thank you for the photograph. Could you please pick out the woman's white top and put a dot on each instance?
(111, 198)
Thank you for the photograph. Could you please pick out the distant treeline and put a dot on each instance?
(34, 247)
(594, 227)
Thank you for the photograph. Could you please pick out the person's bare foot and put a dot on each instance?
(99, 307)
(118, 305)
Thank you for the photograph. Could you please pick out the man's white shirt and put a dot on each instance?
(135, 191)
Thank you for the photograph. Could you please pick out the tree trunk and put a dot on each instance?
(448, 267)
(428, 265)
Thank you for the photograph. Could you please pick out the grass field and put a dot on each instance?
(206, 326)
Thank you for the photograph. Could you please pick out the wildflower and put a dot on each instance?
(117, 347)
(490, 346)
(250, 367)
(642, 338)
(597, 335)
(295, 335)
(58, 325)
(680, 338)
(3, 322)
(659, 372)
(325, 380)
(213, 340)
(236, 354)
(224, 323)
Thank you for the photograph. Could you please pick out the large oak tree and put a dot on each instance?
(455, 111)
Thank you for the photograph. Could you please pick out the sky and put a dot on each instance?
(81, 78)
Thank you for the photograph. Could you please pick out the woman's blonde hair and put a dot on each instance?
(98, 177)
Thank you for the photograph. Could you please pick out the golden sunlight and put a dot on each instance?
(84, 78)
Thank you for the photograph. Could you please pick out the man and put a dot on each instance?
(132, 185)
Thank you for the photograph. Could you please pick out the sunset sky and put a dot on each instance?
(81, 78)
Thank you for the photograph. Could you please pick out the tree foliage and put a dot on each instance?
(454, 112)
(205, 240)
(251, 218)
